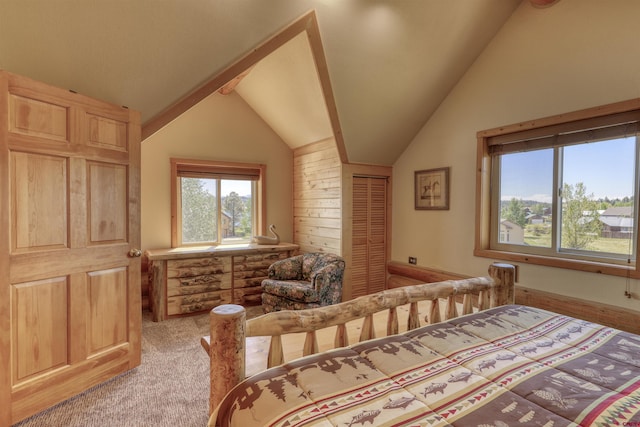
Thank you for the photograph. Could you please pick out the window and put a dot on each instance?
(562, 192)
(215, 203)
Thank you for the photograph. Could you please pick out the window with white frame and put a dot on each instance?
(561, 191)
(215, 202)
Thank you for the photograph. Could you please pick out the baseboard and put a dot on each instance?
(412, 274)
(605, 314)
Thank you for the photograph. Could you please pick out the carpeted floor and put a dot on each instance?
(170, 387)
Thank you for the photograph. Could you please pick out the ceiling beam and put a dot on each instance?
(231, 85)
(313, 32)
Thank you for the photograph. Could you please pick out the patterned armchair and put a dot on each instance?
(303, 281)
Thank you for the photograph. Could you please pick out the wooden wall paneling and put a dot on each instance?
(317, 195)
(316, 208)
(318, 243)
(332, 223)
(315, 229)
(320, 170)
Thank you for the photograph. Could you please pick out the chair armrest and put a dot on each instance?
(326, 275)
(327, 282)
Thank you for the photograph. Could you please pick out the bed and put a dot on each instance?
(497, 364)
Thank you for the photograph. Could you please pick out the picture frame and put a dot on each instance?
(432, 189)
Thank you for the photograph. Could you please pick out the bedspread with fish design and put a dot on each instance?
(507, 366)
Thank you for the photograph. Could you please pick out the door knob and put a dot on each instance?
(134, 253)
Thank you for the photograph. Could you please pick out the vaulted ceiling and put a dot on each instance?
(389, 63)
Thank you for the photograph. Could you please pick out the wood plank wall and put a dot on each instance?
(317, 193)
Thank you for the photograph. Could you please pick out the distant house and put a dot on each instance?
(535, 219)
(623, 211)
(510, 232)
(617, 222)
(226, 225)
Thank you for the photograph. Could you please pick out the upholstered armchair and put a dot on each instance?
(304, 281)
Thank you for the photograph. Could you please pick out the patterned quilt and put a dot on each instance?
(507, 366)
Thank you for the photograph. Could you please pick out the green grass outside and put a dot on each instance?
(601, 244)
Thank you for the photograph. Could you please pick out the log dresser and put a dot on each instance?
(196, 279)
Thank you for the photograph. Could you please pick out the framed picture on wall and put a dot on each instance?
(432, 189)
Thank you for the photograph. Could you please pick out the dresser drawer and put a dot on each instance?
(183, 304)
(198, 284)
(198, 266)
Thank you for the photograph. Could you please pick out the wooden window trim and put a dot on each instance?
(226, 170)
(489, 138)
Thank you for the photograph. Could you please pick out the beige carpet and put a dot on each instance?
(170, 388)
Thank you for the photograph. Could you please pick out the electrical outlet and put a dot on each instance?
(413, 260)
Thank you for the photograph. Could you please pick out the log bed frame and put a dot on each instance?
(229, 327)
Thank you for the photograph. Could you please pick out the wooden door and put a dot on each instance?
(369, 231)
(70, 310)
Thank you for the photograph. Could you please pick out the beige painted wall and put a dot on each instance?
(576, 54)
(221, 128)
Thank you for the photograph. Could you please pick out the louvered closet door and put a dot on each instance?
(70, 311)
(368, 270)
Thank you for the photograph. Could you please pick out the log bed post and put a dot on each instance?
(502, 292)
(226, 350)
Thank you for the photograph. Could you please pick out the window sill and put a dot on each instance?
(569, 264)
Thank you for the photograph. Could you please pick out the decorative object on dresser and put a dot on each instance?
(268, 240)
(189, 280)
(309, 280)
